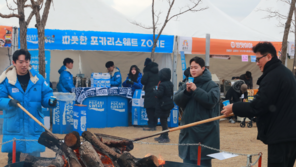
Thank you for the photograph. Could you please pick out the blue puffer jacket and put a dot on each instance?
(66, 80)
(116, 78)
(17, 124)
(136, 85)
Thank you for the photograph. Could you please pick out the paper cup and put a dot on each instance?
(226, 102)
(52, 98)
(190, 79)
(156, 87)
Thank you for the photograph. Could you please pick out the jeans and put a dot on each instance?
(18, 155)
(203, 163)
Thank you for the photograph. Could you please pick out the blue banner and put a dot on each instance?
(183, 61)
(253, 59)
(35, 63)
(99, 41)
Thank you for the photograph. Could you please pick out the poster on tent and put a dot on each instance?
(5, 36)
(35, 63)
(253, 59)
(99, 41)
(183, 61)
(245, 58)
(291, 48)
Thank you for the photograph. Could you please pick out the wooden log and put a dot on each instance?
(72, 140)
(70, 155)
(89, 156)
(122, 141)
(126, 160)
(57, 162)
(151, 161)
(50, 141)
(99, 146)
(121, 145)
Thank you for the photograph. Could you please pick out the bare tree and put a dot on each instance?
(156, 16)
(21, 5)
(287, 25)
(40, 25)
(294, 63)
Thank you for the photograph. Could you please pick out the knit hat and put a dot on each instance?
(147, 61)
(109, 64)
(244, 88)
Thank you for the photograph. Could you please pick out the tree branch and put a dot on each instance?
(30, 17)
(36, 11)
(153, 20)
(9, 15)
(45, 12)
(141, 25)
(9, 7)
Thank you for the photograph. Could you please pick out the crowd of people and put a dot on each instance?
(198, 97)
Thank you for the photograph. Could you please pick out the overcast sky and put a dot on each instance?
(237, 9)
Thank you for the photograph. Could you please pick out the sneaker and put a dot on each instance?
(164, 140)
(232, 121)
(149, 129)
(158, 138)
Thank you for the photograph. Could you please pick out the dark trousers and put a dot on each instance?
(152, 119)
(18, 155)
(164, 124)
(282, 154)
(203, 163)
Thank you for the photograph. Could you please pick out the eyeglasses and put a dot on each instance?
(258, 58)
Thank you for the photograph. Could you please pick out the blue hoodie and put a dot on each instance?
(66, 80)
(17, 124)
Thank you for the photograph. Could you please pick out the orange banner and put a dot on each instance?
(227, 47)
(5, 36)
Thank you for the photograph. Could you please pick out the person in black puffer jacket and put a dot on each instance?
(165, 103)
(150, 79)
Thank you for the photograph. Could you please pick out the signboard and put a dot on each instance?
(5, 36)
(99, 41)
(183, 61)
(245, 58)
(35, 63)
(253, 59)
(291, 48)
(192, 45)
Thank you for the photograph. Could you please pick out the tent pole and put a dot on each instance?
(175, 63)
(208, 51)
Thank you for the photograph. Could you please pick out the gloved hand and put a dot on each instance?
(13, 103)
(130, 82)
(52, 102)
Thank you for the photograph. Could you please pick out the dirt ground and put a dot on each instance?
(233, 138)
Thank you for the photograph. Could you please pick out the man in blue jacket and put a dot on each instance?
(30, 89)
(66, 78)
(114, 74)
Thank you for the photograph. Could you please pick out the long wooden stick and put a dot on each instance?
(185, 126)
(30, 115)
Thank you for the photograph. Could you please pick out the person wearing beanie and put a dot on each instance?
(234, 94)
(115, 74)
(273, 106)
(150, 79)
(247, 77)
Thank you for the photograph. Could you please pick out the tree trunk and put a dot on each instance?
(23, 24)
(294, 64)
(41, 42)
(286, 33)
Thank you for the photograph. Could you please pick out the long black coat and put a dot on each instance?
(199, 105)
(164, 93)
(274, 105)
(150, 79)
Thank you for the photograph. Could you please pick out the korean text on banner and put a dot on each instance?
(183, 61)
(5, 36)
(245, 58)
(99, 41)
(35, 63)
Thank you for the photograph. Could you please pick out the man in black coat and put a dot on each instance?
(274, 106)
(150, 79)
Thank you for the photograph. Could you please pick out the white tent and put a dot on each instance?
(257, 20)
(197, 24)
(92, 15)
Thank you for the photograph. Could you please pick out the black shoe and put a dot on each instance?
(164, 140)
(158, 138)
(149, 129)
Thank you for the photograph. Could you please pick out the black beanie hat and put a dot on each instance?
(147, 61)
(109, 64)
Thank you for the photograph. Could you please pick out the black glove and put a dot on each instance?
(13, 103)
(52, 102)
(130, 82)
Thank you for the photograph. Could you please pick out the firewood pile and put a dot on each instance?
(90, 150)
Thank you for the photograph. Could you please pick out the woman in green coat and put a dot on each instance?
(199, 101)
